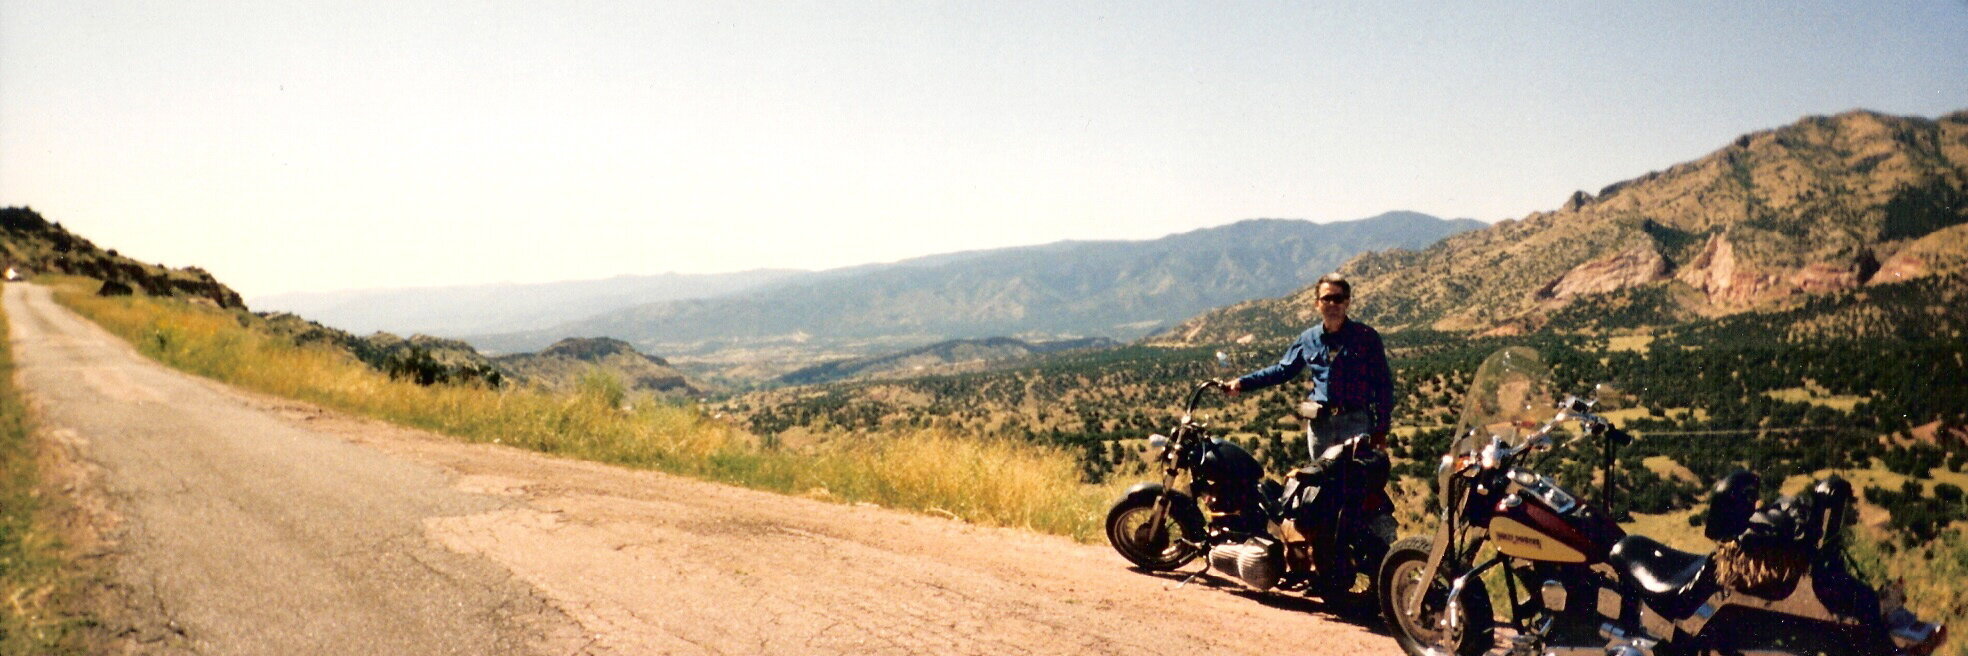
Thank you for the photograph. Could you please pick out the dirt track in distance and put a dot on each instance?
(235, 523)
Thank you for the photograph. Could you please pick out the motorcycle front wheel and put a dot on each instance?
(1131, 529)
(1432, 632)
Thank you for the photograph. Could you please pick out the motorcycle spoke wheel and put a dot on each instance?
(1430, 632)
(1134, 535)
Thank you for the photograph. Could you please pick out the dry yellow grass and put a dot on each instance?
(1666, 467)
(980, 480)
(1629, 343)
(1839, 402)
(1672, 529)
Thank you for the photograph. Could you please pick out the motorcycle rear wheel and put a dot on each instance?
(1129, 529)
(1428, 634)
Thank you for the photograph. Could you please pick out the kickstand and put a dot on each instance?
(1192, 577)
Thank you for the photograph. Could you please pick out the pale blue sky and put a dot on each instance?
(321, 146)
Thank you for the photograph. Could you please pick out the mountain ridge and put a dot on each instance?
(1062, 289)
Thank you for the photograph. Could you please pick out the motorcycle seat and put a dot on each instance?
(1665, 575)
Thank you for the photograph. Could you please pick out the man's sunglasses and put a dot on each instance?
(1334, 299)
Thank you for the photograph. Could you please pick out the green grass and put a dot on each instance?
(991, 481)
(35, 572)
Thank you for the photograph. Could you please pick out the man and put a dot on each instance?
(1352, 387)
(1352, 394)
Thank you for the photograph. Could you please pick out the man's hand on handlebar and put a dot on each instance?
(1233, 386)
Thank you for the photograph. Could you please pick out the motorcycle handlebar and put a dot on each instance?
(1198, 395)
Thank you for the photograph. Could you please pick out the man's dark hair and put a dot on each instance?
(1335, 280)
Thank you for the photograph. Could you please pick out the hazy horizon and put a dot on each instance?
(619, 276)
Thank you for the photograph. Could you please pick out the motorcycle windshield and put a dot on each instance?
(1510, 398)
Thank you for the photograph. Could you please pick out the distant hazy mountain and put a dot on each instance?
(940, 358)
(1118, 289)
(505, 307)
(1827, 204)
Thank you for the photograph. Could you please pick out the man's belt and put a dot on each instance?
(1317, 410)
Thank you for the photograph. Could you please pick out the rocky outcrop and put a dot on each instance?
(1716, 274)
(1731, 284)
(1578, 199)
(1632, 267)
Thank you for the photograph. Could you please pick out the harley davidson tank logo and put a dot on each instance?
(1527, 541)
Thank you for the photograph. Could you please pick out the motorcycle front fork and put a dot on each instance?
(1454, 614)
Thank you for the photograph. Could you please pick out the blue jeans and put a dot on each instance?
(1324, 432)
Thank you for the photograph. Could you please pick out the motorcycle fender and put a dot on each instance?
(1187, 514)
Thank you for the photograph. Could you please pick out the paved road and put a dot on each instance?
(237, 532)
(235, 523)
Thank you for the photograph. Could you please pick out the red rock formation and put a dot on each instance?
(1717, 274)
(1632, 267)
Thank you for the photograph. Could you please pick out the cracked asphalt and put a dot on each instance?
(236, 523)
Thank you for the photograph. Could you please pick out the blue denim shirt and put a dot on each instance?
(1349, 370)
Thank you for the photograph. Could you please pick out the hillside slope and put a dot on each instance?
(31, 244)
(1825, 204)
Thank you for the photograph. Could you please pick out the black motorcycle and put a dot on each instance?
(1578, 585)
(1313, 533)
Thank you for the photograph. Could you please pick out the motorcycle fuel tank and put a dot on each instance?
(1225, 462)
(1526, 528)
